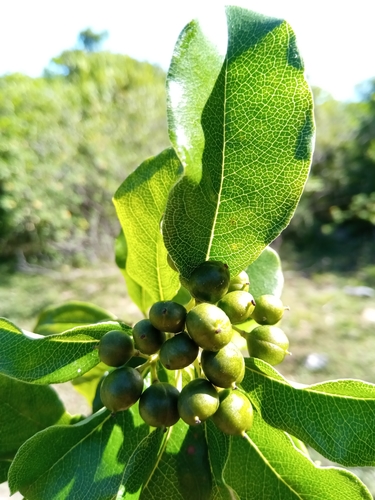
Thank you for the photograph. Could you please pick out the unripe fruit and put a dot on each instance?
(239, 282)
(209, 281)
(158, 405)
(209, 327)
(268, 310)
(147, 338)
(237, 305)
(168, 316)
(121, 389)
(198, 401)
(178, 352)
(115, 348)
(235, 413)
(268, 343)
(224, 368)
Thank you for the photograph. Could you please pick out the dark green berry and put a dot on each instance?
(235, 413)
(209, 326)
(168, 316)
(268, 310)
(224, 368)
(237, 305)
(269, 343)
(121, 389)
(209, 281)
(178, 352)
(147, 338)
(198, 401)
(115, 348)
(158, 405)
(240, 282)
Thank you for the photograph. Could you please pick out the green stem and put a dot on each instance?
(241, 332)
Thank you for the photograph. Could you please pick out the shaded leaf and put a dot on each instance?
(258, 128)
(87, 384)
(56, 358)
(140, 204)
(4, 467)
(266, 276)
(69, 315)
(267, 466)
(24, 410)
(336, 418)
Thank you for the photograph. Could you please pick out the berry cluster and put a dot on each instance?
(201, 336)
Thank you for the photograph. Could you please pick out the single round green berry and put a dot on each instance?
(147, 338)
(240, 282)
(168, 316)
(269, 343)
(178, 352)
(209, 281)
(224, 368)
(235, 414)
(121, 389)
(237, 305)
(209, 326)
(115, 348)
(268, 310)
(198, 401)
(158, 405)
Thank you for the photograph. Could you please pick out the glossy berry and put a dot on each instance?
(240, 282)
(268, 310)
(269, 343)
(224, 368)
(178, 352)
(147, 338)
(121, 389)
(209, 281)
(198, 401)
(158, 405)
(168, 316)
(235, 413)
(115, 348)
(237, 305)
(209, 326)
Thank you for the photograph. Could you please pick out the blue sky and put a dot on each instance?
(336, 38)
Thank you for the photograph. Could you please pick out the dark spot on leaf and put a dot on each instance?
(190, 450)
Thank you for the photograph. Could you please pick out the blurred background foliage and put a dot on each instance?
(69, 138)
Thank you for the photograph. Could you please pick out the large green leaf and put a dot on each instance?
(24, 410)
(336, 418)
(140, 204)
(266, 276)
(267, 466)
(258, 128)
(31, 357)
(4, 468)
(66, 316)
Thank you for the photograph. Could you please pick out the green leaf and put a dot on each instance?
(336, 418)
(258, 128)
(24, 410)
(87, 384)
(66, 316)
(275, 469)
(266, 276)
(4, 468)
(31, 357)
(140, 204)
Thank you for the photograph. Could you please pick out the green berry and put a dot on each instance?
(209, 281)
(158, 405)
(268, 310)
(168, 316)
(209, 327)
(240, 282)
(224, 368)
(235, 413)
(121, 389)
(115, 348)
(178, 352)
(269, 343)
(147, 338)
(198, 401)
(237, 305)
